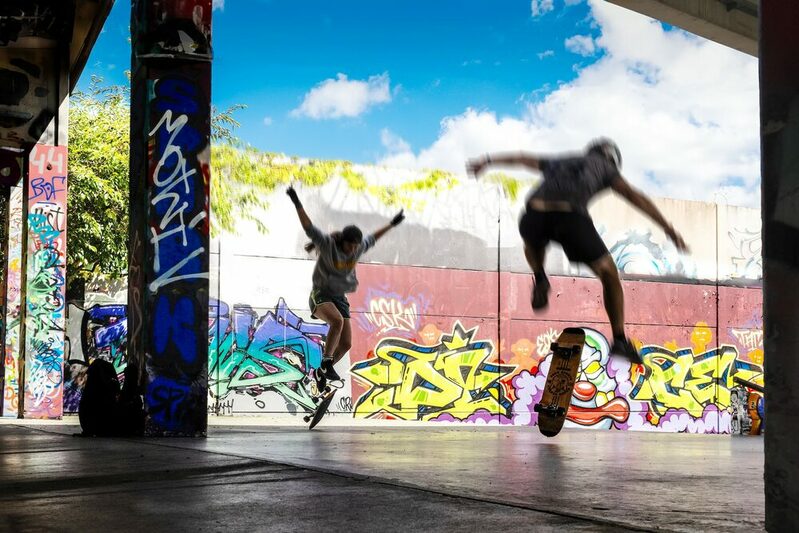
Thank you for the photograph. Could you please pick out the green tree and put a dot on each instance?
(97, 200)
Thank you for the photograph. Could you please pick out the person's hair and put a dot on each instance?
(350, 233)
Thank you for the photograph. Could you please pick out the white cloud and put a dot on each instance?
(581, 44)
(268, 121)
(683, 110)
(392, 142)
(541, 7)
(219, 4)
(342, 97)
(545, 54)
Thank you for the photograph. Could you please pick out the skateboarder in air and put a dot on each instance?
(333, 277)
(557, 211)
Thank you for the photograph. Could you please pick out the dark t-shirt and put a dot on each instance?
(575, 179)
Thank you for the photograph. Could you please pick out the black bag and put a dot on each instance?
(129, 416)
(98, 403)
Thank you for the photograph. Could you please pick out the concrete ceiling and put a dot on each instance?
(733, 23)
(44, 46)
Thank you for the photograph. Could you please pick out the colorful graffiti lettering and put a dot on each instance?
(674, 390)
(388, 314)
(411, 381)
(686, 381)
(253, 355)
(45, 317)
(751, 339)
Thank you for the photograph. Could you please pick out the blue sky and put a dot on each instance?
(440, 58)
(421, 83)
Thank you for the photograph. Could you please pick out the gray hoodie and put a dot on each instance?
(334, 273)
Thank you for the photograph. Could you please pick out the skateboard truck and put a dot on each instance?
(551, 410)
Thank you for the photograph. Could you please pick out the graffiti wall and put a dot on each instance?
(45, 285)
(11, 321)
(442, 326)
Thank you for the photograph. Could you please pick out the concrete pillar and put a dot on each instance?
(169, 184)
(779, 108)
(45, 285)
(13, 304)
(43, 269)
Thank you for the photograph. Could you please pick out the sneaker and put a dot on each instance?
(622, 347)
(539, 298)
(330, 372)
(321, 380)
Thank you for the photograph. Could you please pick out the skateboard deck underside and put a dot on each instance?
(554, 404)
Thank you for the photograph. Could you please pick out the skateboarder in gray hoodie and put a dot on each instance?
(334, 277)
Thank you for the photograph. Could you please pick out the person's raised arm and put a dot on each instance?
(303, 216)
(396, 221)
(645, 205)
(478, 164)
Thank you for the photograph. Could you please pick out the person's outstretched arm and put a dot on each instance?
(318, 239)
(645, 205)
(478, 164)
(304, 219)
(396, 221)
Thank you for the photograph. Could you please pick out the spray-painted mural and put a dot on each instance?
(261, 358)
(457, 375)
(100, 331)
(45, 286)
(11, 321)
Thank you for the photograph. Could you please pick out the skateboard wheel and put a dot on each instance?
(327, 389)
(537, 408)
(561, 411)
(553, 347)
(306, 418)
(316, 400)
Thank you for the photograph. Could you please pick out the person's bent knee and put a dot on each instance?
(336, 322)
(605, 268)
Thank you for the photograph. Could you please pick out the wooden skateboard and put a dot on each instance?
(554, 404)
(321, 408)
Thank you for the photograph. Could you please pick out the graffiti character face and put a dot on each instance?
(594, 402)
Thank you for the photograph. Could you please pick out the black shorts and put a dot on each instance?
(318, 297)
(574, 231)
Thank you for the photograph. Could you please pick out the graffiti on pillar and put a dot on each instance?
(452, 380)
(99, 332)
(45, 304)
(177, 284)
(11, 320)
(180, 29)
(254, 355)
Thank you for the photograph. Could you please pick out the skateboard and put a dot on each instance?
(321, 408)
(554, 404)
(320, 397)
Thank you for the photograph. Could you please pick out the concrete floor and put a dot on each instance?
(391, 478)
